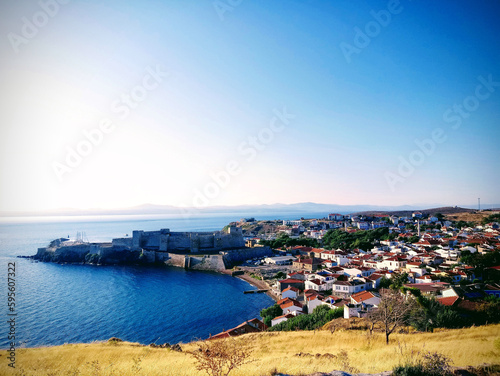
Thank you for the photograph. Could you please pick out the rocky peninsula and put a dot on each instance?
(216, 251)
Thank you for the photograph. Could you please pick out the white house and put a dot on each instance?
(359, 272)
(367, 297)
(347, 288)
(318, 284)
(392, 263)
(291, 307)
(312, 302)
(290, 292)
(280, 319)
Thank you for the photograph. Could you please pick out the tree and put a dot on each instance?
(268, 314)
(398, 280)
(393, 311)
(219, 357)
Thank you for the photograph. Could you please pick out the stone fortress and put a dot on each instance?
(216, 250)
(186, 242)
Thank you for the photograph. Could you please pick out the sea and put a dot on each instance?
(63, 303)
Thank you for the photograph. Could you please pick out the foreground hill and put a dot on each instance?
(286, 352)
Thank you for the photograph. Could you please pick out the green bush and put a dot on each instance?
(319, 317)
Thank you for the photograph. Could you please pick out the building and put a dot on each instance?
(310, 264)
(280, 260)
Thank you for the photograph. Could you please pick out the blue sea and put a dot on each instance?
(57, 304)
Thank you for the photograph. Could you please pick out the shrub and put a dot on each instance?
(220, 357)
(427, 364)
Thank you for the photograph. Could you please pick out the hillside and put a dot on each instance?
(474, 216)
(407, 213)
(287, 352)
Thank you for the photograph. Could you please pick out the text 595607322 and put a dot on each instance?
(12, 314)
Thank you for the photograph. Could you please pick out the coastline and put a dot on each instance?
(260, 284)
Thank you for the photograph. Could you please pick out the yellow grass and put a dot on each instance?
(275, 350)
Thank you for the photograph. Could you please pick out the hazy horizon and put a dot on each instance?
(218, 103)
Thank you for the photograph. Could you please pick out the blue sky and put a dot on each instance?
(224, 70)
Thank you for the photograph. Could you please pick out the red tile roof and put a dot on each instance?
(448, 301)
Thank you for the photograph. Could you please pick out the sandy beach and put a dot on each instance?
(261, 285)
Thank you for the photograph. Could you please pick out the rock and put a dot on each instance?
(114, 339)
(176, 347)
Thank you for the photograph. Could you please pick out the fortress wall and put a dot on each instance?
(122, 242)
(232, 241)
(206, 241)
(239, 255)
(151, 239)
(179, 241)
(172, 259)
(207, 262)
(80, 249)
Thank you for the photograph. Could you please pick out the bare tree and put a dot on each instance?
(392, 311)
(221, 356)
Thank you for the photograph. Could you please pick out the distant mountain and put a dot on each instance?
(303, 207)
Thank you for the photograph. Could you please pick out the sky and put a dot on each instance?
(204, 103)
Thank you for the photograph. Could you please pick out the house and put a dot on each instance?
(359, 271)
(356, 310)
(310, 264)
(374, 279)
(363, 225)
(335, 217)
(392, 263)
(280, 319)
(291, 306)
(347, 288)
(297, 275)
(285, 283)
(313, 301)
(367, 297)
(448, 301)
(290, 292)
(427, 278)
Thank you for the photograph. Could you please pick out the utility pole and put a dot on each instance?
(479, 204)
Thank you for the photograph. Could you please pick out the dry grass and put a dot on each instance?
(475, 217)
(270, 351)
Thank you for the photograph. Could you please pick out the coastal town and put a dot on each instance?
(346, 261)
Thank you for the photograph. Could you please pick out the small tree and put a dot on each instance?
(219, 357)
(392, 311)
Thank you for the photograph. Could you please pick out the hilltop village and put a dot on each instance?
(344, 261)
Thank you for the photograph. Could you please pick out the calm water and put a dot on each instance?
(59, 304)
